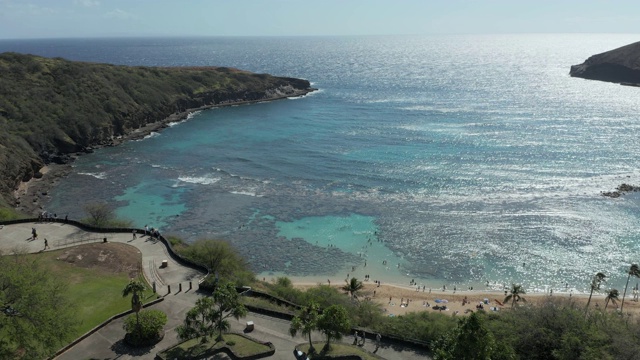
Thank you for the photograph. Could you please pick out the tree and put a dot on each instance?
(353, 287)
(596, 282)
(334, 322)
(634, 270)
(326, 296)
(135, 288)
(100, 214)
(36, 317)
(146, 328)
(306, 322)
(515, 294)
(367, 313)
(469, 340)
(612, 295)
(211, 313)
(220, 258)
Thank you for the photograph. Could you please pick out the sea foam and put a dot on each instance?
(202, 180)
(100, 175)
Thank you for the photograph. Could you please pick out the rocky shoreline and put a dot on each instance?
(31, 195)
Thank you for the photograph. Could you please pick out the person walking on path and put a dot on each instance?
(134, 233)
(46, 243)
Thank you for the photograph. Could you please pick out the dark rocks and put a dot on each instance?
(56, 158)
(627, 188)
(620, 190)
(621, 65)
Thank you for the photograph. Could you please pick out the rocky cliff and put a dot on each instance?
(51, 109)
(621, 65)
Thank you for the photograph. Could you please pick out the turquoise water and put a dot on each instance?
(474, 158)
(156, 204)
(355, 234)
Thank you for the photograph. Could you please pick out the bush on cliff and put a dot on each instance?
(222, 260)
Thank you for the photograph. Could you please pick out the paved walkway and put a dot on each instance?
(107, 342)
(59, 235)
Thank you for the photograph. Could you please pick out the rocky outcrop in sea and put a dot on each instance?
(621, 65)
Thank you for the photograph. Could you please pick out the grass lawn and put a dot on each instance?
(96, 293)
(195, 349)
(337, 349)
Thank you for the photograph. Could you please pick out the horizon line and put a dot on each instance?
(184, 36)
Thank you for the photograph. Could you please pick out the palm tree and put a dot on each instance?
(353, 287)
(516, 291)
(597, 280)
(306, 322)
(134, 288)
(613, 296)
(634, 270)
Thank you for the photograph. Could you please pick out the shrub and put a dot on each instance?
(150, 331)
(7, 213)
(221, 259)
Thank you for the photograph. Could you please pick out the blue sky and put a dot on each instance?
(99, 18)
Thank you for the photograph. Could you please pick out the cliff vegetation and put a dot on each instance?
(51, 108)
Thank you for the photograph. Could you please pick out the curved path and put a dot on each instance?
(17, 237)
(107, 343)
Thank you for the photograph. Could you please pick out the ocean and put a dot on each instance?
(457, 160)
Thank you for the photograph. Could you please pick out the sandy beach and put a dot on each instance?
(392, 297)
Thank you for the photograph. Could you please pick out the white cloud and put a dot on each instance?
(120, 14)
(87, 3)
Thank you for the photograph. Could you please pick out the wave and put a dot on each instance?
(151, 135)
(247, 193)
(226, 173)
(190, 116)
(100, 175)
(444, 110)
(202, 180)
(307, 94)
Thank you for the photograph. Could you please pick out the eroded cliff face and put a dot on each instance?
(621, 65)
(52, 109)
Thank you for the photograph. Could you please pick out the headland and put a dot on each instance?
(618, 66)
(59, 109)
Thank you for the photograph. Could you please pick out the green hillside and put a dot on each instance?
(50, 107)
